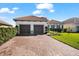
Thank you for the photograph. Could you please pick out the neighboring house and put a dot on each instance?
(31, 25)
(4, 24)
(71, 25)
(55, 25)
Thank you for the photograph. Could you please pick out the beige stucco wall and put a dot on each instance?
(71, 26)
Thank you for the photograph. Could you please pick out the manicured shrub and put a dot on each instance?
(6, 34)
(57, 29)
(53, 33)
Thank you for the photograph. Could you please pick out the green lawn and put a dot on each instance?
(71, 39)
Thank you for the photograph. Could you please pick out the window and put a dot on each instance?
(77, 28)
(52, 26)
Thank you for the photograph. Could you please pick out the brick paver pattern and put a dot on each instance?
(40, 45)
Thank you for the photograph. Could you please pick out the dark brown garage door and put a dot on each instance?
(38, 29)
(24, 30)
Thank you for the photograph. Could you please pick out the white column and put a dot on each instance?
(32, 29)
(49, 25)
(45, 28)
(18, 29)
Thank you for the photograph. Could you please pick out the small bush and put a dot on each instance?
(6, 34)
(64, 30)
(53, 33)
(57, 29)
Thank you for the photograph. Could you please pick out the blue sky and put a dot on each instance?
(57, 11)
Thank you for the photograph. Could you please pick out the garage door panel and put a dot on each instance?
(24, 29)
(38, 29)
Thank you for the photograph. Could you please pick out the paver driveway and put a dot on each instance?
(40, 45)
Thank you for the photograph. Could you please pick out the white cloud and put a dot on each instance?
(37, 12)
(15, 8)
(44, 6)
(47, 6)
(8, 10)
(52, 10)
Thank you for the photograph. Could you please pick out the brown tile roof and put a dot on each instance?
(53, 22)
(31, 18)
(71, 20)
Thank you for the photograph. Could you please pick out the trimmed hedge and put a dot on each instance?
(53, 33)
(57, 30)
(6, 34)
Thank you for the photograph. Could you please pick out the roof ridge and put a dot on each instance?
(31, 18)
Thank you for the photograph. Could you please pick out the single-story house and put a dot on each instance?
(31, 25)
(71, 24)
(53, 24)
(4, 23)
